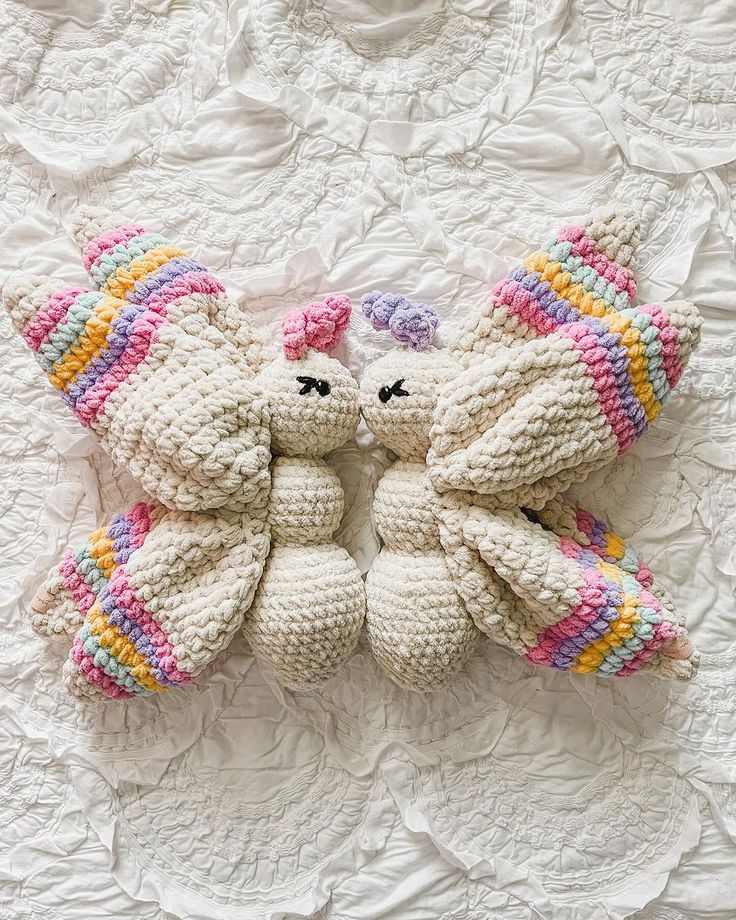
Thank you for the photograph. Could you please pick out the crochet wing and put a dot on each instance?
(562, 590)
(150, 599)
(159, 364)
(156, 361)
(561, 373)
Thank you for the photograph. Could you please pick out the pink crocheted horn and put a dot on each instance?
(320, 326)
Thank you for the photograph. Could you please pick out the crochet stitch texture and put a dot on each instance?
(169, 374)
(554, 375)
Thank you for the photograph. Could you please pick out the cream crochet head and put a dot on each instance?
(398, 397)
(312, 398)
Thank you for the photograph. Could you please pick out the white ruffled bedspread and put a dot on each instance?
(309, 146)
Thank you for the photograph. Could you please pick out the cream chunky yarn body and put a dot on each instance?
(169, 374)
(417, 622)
(310, 603)
(556, 374)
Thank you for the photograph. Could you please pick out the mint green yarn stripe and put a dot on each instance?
(586, 276)
(106, 660)
(634, 588)
(88, 568)
(614, 661)
(591, 281)
(650, 336)
(629, 562)
(122, 254)
(630, 585)
(617, 658)
(69, 332)
(642, 628)
(627, 651)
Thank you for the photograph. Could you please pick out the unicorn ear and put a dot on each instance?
(584, 269)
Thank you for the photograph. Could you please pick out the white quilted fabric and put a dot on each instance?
(302, 147)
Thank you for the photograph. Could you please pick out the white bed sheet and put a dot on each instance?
(308, 146)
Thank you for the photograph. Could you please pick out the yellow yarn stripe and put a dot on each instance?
(584, 301)
(119, 645)
(559, 281)
(101, 549)
(631, 338)
(89, 344)
(126, 277)
(620, 629)
(615, 545)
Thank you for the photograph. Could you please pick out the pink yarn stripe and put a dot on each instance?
(520, 302)
(570, 548)
(140, 518)
(587, 249)
(74, 582)
(139, 347)
(586, 522)
(526, 308)
(595, 357)
(95, 675)
(612, 273)
(183, 286)
(670, 341)
(39, 328)
(107, 241)
(644, 576)
(593, 600)
(663, 632)
(120, 588)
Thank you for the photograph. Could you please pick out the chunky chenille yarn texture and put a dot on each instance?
(554, 375)
(310, 603)
(169, 374)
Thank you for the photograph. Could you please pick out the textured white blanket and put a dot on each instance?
(301, 147)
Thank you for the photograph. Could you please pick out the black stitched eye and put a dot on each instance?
(311, 383)
(396, 389)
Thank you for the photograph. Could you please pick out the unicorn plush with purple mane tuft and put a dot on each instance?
(556, 374)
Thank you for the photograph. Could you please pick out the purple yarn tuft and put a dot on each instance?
(410, 323)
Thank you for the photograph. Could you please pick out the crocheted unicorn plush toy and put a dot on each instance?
(170, 376)
(556, 374)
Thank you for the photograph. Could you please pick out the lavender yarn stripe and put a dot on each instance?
(122, 327)
(157, 280)
(562, 312)
(117, 616)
